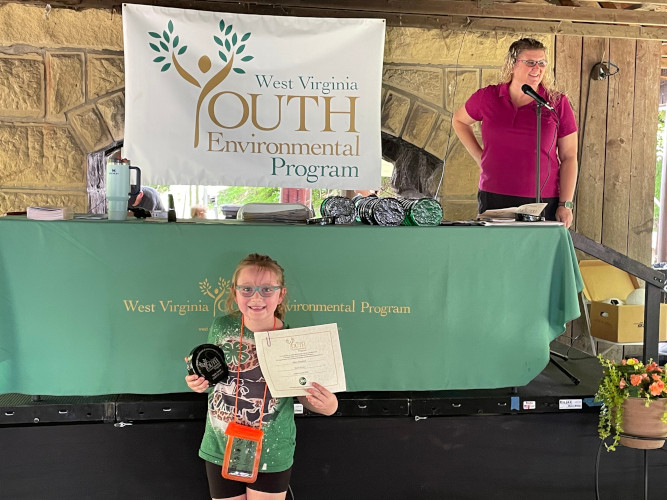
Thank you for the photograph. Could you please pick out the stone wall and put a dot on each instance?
(61, 99)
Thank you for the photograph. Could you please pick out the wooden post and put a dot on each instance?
(661, 250)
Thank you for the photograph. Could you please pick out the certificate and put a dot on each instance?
(294, 358)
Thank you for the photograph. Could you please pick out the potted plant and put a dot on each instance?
(632, 390)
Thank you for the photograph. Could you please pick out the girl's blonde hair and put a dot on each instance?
(512, 56)
(263, 262)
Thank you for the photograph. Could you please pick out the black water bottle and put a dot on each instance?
(171, 215)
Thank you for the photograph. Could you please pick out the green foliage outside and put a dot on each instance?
(241, 195)
(386, 190)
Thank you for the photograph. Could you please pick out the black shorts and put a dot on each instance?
(490, 201)
(267, 482)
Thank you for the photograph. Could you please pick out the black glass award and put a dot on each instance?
(208, 361)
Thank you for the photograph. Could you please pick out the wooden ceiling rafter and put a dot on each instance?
(519, 10)
(636, 2)
(542, 11)
(587, 18)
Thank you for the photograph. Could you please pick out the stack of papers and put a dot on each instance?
(512, 222)
(274, 212)
(507, 216)
(500, 214)
(50, 213)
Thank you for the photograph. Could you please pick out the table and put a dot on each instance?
(106, 307)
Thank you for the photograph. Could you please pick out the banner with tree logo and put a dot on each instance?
(231, 99)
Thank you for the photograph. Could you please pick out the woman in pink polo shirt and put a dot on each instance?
(509, 133)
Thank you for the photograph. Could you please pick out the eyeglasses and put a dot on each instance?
(264, 290)
(530, 63)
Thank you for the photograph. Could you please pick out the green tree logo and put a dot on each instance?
(230, 46)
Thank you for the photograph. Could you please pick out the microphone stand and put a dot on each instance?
(527, 217)
(552, 353)
(538, 113)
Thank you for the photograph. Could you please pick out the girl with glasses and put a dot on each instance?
(255, 303)
(509, 136)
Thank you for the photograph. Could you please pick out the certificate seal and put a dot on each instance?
(208, 361)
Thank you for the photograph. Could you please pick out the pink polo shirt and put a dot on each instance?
(509, 135)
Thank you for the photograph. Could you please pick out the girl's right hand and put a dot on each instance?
(196, 383)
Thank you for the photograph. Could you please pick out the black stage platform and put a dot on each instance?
(537, 440)
(548, 392)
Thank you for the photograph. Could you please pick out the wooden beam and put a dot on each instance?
(592, 142)
(386, 8)
(567, 70)
(618, 151)
(470, 9)
(477, 21)
(644, 138)
(537, 27)
(655, 2)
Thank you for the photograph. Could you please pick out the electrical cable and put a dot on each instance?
(583, 135)
(581, 152)
(553, 143)
(597, 471)
(598, 72)
(451, 119)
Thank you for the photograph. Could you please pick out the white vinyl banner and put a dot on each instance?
(245, 100)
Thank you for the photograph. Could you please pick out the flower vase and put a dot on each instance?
(642, 421)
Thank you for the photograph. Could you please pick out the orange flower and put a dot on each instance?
(653, 367)
(655, 376)
(656, 388)
(622, 383)
(635, 379)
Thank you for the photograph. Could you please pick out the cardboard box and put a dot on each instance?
(615, 323)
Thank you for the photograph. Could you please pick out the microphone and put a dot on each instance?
(528, 90)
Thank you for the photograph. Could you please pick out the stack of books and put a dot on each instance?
(50, 213)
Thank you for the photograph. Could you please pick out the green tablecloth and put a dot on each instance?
(101, 307)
